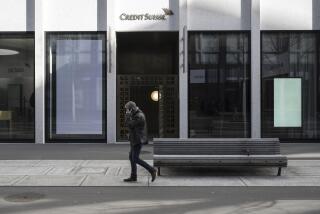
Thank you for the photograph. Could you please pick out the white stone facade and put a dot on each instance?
(43, 16)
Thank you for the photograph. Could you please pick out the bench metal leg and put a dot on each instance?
(158, 172)
(279, 171)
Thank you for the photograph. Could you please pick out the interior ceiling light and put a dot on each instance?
(6, 52)
(155, 96)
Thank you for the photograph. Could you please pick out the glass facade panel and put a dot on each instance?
(291, 55)
(76, 72)
(17, 87)
(219, 84)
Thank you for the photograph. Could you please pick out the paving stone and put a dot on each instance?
(103, 163)
(60, 162)
(11, 170)
(197, 181)
(51, 180)
(124, 171)
(91, 170)
(7, 180)
(303, 171)
(61, 170)
(113, 171)
(142, 171)
(281, 181)
(93, 180)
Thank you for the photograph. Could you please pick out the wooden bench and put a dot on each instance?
(243, 152)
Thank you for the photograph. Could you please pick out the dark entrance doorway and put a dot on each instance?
(147, 73)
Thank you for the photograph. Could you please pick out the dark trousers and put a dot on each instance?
(135, 159)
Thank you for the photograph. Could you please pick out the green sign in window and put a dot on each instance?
(287, 102)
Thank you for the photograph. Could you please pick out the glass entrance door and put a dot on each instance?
(147, 73)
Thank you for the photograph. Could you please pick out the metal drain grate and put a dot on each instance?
(24, 197)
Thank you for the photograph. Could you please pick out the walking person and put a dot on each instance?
(135, 120)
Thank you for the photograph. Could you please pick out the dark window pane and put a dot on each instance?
(219, 83)
(77, 85)
(17, 87)
(291, 55)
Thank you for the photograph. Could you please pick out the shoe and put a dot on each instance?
(130, 179)
(153, 175)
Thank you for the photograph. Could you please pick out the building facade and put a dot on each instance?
(197, 68)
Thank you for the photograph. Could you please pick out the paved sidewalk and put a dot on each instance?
(111, 173)
(107, 165)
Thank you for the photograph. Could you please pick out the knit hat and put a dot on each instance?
(130, 105)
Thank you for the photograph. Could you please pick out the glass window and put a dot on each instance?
(17, 86)
(219, 84)
(288, 55)
(76, 81)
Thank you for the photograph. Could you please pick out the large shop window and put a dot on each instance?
(290, 85)
(17, 87)
(76, 86)
(219, 84)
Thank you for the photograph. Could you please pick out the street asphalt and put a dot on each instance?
(160, 200)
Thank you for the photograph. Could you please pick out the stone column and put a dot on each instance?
(39, 74)
(111, 76)
(255, 70)
(183, 69)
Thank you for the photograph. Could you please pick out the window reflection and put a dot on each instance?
(291, 55)
(219, 83)
(77, 85)
(17, 87)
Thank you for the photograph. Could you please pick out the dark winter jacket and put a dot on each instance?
(136, 122)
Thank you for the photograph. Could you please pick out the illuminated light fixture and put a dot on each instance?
(6, 52)
(155, 96)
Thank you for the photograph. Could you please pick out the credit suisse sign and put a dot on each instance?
(146, 16)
